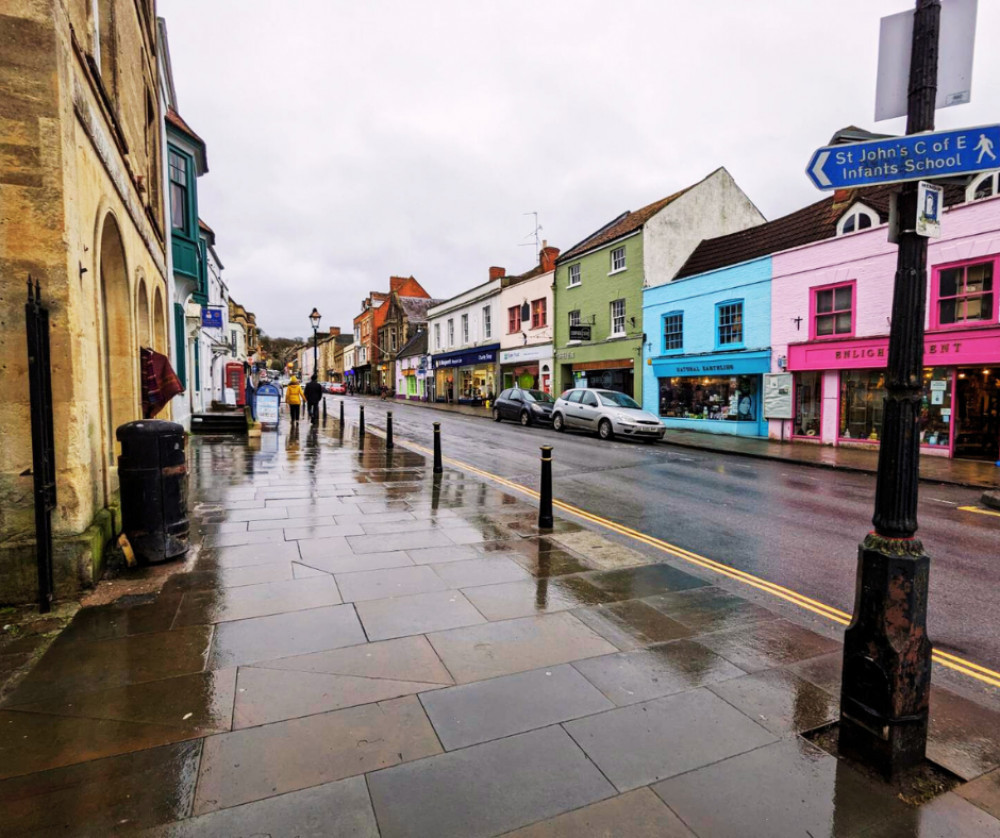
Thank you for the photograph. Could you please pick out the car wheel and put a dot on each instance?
(496, 414)
(525, 418)
(557, 423)
(604, 429)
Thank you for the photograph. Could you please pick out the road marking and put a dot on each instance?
(949, 502)
(980, 511)
(946, 659)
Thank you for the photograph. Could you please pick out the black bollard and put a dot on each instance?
(388, 429)
(341, 413)
(545, 495)
(437, 448)
(361, 427)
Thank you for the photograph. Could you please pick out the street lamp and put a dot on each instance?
(314, 318)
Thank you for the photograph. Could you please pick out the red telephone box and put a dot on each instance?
(236, 381)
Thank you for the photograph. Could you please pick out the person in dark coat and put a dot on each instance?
(314, 395)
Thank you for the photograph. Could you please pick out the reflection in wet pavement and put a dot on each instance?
(357, 647)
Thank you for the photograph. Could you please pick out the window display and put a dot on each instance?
(862, 396)
(808, 401)
(733, 398)
(935, 408)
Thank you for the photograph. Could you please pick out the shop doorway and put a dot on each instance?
(977, 431)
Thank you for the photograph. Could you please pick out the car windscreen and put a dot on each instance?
(612, 399)
(537, 396)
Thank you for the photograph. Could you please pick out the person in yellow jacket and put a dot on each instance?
(294, 396)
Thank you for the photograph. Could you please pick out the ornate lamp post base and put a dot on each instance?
(887, 657)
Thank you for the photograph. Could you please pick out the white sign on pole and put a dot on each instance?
(958, 34)
(930, 203)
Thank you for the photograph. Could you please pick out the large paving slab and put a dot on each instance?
(103, 796)
(502, 648)
(780, 701)
(261, 762)
(406, 658)
(636, 814)
(644, 674)
(246, 601)
(487, 789)
(70, 667)
(389, 582)
(342, 809)
(472, 713)
(271, 695)
(416, 614)
(640, 744)
(283, 635)
(790, 788)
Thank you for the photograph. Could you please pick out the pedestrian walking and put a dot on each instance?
(314, 395)
(293, 395)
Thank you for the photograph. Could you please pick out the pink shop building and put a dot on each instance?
(830, 316)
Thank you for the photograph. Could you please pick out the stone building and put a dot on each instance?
(405, 314)
(81, 211)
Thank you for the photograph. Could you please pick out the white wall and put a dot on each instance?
(472, 303)
(714, 207)
(538, 287)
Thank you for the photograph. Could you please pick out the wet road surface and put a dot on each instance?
(793, 525)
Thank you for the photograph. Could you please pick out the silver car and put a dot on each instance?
(607, 412)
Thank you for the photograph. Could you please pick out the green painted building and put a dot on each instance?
(599, 334)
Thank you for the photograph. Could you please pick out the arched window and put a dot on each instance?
(985, 185)
(858, 217)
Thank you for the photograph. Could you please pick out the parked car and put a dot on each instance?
(338, 389)
(606, 412)
(524, 406)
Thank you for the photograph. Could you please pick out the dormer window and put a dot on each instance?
(858, 217)
(984, 186)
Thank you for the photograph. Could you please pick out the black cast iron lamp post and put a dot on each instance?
(314, 318)
(887, 655)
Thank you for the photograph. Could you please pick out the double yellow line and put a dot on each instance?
(973, 670)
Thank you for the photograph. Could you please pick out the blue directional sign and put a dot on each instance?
(914, 157)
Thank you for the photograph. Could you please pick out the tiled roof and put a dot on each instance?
(178, 122)
(417, 345)
(624, 224)
(415, 308)
(538, 270)
(810, 224)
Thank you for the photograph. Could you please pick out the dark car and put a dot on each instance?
(524, 406)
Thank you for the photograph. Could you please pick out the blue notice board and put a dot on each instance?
(913, 157)
(211, 318)
(268, 402)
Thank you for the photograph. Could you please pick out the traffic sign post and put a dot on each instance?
(913, 157)
(885, 688)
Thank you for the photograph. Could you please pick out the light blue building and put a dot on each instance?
(707, 346)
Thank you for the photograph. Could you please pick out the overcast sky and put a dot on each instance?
(349, 141)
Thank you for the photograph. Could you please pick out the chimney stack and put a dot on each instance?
(547, 257)
(335, 330)
(497, 273)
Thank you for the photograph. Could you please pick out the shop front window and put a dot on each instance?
(731, 398)
(935, 408)
(808, 401)
(862, 396)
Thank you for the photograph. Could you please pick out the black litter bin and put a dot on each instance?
(152, 474)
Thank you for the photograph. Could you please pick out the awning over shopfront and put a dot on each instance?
(718, 364)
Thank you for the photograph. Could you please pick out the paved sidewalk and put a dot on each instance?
(971, 473)
(356, 649)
